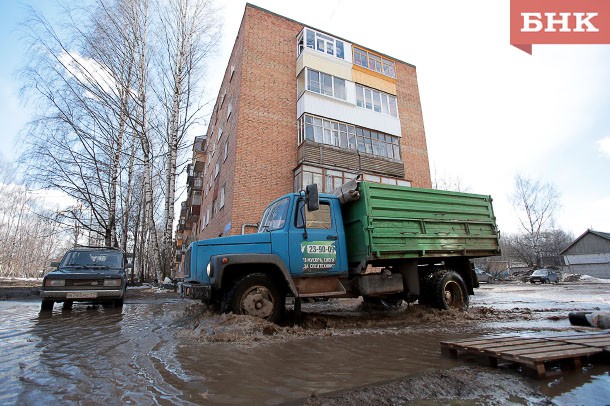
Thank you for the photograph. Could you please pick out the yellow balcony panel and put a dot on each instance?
(318, 61)
(374, 79)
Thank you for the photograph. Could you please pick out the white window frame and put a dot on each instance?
(387, 67)
(333, 84)
(221, 202)
(366, 96)
(349, 136)
(329, 43)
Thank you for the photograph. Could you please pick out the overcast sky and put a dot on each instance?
(490, 110)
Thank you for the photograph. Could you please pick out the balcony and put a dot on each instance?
(199, 165)
(198, 182)
(310, 152)
(199, 144)
(190, 171)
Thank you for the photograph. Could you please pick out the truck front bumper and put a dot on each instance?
(196, 291)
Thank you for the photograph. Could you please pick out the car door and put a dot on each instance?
(314, 247)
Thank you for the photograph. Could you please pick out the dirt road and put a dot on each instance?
(160, 349)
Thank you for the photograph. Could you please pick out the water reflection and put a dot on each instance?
(97, 355)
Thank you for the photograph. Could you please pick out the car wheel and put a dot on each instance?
(547, 281)
(449, 291)
(47, 305)
(256, 295)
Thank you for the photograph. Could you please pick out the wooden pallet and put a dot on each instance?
(533, 352)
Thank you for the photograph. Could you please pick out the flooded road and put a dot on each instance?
(160, 349)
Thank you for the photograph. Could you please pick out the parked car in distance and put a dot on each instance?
(483, 276)
(544, 276)
(86, 274)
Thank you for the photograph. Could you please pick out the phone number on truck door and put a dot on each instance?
(320, 249)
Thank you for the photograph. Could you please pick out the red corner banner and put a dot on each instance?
(559, 22)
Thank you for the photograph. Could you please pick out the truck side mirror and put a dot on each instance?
(312, 198)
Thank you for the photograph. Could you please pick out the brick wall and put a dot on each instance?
(266, 148)
(413, 142)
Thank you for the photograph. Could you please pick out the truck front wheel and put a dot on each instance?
(449, 291)
(256, 295)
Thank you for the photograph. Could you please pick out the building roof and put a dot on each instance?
(605, 236)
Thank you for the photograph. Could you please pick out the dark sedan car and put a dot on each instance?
(544, 276)
(86, 274)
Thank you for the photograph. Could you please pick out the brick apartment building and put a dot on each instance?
(297, 106)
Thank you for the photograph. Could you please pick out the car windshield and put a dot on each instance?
(92, 259)
(540, 272)
(274, 216)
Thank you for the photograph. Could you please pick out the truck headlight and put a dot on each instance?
(55, 282)
(112, 282)
(208, 269)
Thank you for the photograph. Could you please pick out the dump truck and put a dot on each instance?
(388, 244)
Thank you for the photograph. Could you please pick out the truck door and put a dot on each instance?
(314, 249)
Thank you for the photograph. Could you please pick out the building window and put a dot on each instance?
(320, 42)
(214, 207)
(348, 136)
(375, 100)
(232, 72)
(221, 203)
(217, 168)
(226, 151)
(229, 109)
(325, 84)
(219, 133)
(328, 180)
(374, 62)
(207, 216)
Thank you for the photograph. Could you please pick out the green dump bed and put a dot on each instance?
(389, 222)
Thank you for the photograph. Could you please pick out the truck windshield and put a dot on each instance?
(274, 216)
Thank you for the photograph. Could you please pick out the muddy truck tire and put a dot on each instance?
(448, 291)
(256, 295)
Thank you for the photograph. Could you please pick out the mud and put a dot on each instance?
(160, 349)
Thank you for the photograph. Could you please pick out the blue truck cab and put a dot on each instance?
(255, 272)
(382, 242)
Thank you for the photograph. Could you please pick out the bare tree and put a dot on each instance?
(29, 233)
(76, 142)
(536, 204)
(455, 184)
(115, 108)
(189, 33)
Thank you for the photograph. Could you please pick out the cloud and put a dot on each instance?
(88, 72)
(604, 146)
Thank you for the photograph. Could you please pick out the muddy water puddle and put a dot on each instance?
(167, 351)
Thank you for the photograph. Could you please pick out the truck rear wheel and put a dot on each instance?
(256, 295)
(449, 291)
